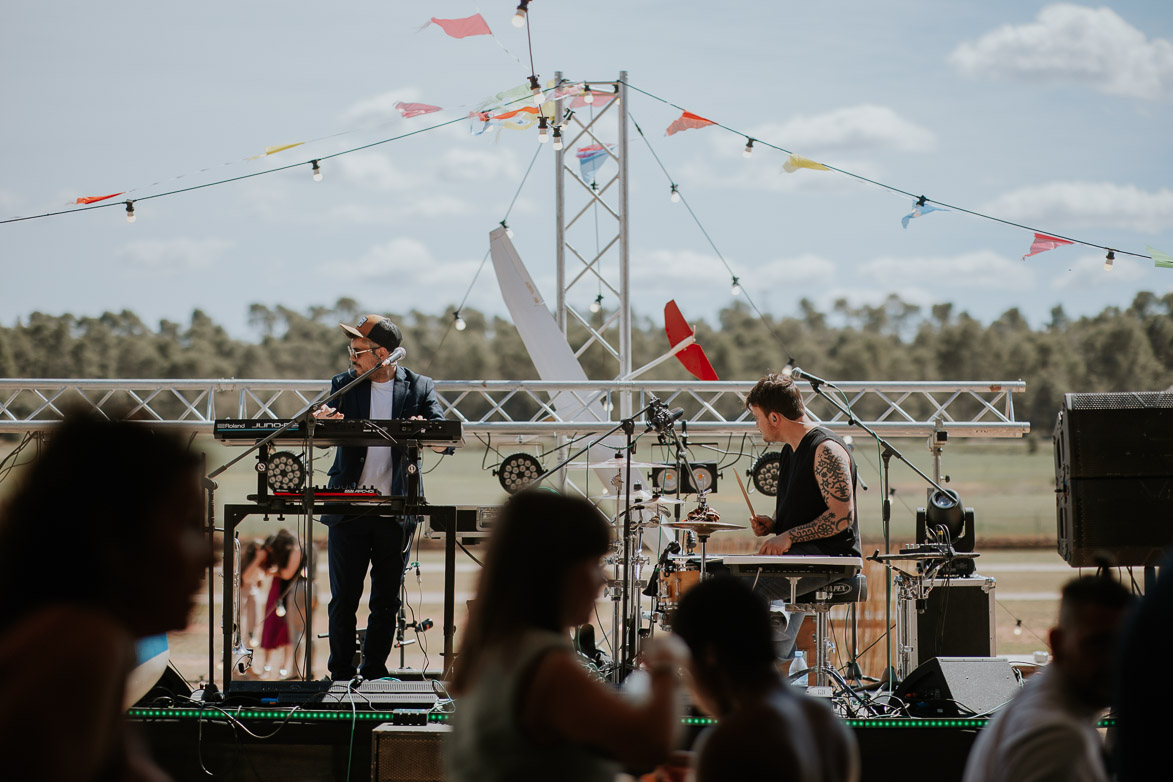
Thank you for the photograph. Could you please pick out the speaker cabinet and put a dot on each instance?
(958, 687)
(1114, 477)
(957, 620)
(408, 753)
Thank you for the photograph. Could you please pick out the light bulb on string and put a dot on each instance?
(748, 153)
(1018, 627)
(317, 171)
(557, 138)
(130, 218)
(735, 288)
(519, 16)
(543, 134)
(536, 89)
(674, 195)
(788, 370)
(588, 97)
(458, 322)
(508, 230)
(597, 304)
(1108, 259)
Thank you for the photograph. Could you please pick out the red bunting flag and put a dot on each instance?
(409, 110)
(94, 199)
(463, 28)
(688, 121)
(1042, 243)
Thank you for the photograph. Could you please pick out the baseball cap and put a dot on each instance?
(377, 329)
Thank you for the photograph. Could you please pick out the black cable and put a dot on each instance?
(708, 238)
(893, 188)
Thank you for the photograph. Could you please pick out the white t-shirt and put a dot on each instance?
(376, 470)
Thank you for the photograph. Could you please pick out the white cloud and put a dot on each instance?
(1072, 44)
(9, 202)
(874, 297)
(474, 164)
(373, 170)
(172, 257)
(1088, 272)
(380, 108)
(426, 207)
(866, 127)
(1087, 203)
(407, 262)
(805, 269)
(982, 269)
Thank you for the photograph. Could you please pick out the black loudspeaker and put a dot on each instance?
(1114, 477)
(958, 687)
(957, 620)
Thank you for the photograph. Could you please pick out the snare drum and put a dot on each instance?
(683, 575)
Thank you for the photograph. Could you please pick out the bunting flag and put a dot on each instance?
(1160, 260)
(463, 28)
(590, 159)
(95, 199)
(919, 210)
(693, 357)
(409, 110)
(1042, 243)
(795, 162)
(687, 121)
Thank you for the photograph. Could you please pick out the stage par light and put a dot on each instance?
(517, 471)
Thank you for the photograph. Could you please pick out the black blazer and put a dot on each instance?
(413, 394)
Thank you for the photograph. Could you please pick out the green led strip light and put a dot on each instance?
(215, 713)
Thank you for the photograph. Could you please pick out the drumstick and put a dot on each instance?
(744, 493)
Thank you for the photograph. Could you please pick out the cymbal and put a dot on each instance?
(704, 528)
(619, 463)
(640, 499)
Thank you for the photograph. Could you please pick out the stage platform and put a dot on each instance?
(323, 731)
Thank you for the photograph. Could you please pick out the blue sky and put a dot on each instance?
(1051, 114)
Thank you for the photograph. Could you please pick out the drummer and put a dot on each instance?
(815, 515)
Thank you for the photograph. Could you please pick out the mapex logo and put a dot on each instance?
(838, 589)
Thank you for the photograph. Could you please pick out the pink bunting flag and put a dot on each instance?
(688, 121)
(409, 110)
(95, 199)
(1042, 243)
(463, 28)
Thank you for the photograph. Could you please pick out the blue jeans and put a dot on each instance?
(382, 543)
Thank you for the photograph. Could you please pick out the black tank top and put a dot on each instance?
(800, 501)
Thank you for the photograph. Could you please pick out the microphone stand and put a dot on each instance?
(624, 658)
(306, 419)
(887, 452)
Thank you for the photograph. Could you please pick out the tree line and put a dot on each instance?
(1116, 350)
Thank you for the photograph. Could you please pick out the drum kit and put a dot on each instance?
(674, 574)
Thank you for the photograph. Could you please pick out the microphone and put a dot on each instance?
(661, 418)
(814, 380)
(396, 356)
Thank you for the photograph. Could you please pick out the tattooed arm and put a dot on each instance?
(833, 475)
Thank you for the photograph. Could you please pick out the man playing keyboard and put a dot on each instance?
(815, 513)
(379, 542)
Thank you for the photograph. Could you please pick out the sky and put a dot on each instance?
(1053, 115)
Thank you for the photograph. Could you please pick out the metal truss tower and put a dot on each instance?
(591, 233)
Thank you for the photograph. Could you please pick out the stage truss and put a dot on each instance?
(511, 408)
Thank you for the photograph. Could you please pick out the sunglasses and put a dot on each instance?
(356, 353)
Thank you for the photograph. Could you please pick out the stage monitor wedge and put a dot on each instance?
(1114, 477)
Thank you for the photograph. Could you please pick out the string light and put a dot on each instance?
(1018, 627)
(1111, 256)
(557, 137)
(543, 135)
(508, 230)
(519, 17)
(317, 171)
(674, 194)
(536, 89)
(735, 288)
(597, 304)
(458, 322)
(588, 97)
(748, 153)
(788, 370)
(130, 212)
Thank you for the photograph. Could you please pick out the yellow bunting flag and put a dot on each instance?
(795, 162)
(282, 148)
